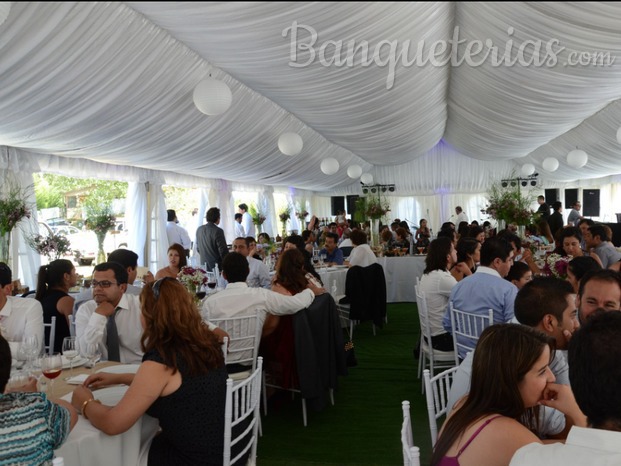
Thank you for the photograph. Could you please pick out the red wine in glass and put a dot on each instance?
(201, 294)
(211, 285)
(52, 374)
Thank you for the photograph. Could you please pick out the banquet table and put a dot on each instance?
(87, 445)
(401, 273)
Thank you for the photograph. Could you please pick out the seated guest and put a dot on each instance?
(259, 275)
(437, 283)
(599, 290)
(309, 240)
(519, 274)
(53, 285)
(176, 261)
(112, 319)
(32, 426)
(578, 267)
(129, 260)
(20, 318)
(598, 243)
(543, 230)
(423, 234)
(510, 375)
(386, 238)
(181, 382)
(449, 233)
(595, 375)
(401, 242)
(568, 244)
(296, 241)
(346, 239)
(334, 256)
(264, 238)
(477, 233)
(361, 254)
(253, 251)
(468, 256)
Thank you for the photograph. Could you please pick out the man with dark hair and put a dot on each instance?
(177, 234)
(259, 275)
(486, 288)
(19, 317)
(544, 209)
(334, 256)
(129, 260)
(239, 300)
(595, 375)
(210, 240)
(461, 215)
(112, 319)
(246, 221)
(599, 290)
(597, 241)
(239, 228)
(555, 221)
(574, 217)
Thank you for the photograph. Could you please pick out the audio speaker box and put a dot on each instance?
(571, 197)
(338, 204)
(552, 195)
(590, 202)
(351, 205)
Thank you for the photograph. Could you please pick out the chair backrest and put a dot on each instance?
(437, 390)
(411, 454)
(241, 415)
(423, 314)
(49, 348)
(346, 250)
(466, 328)
(244, 338)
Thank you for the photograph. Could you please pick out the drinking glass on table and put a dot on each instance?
(31, 347)
(201, 292)
(93, 354)
(70, 351)
(51, 367)
(421, 250)
(212, 282)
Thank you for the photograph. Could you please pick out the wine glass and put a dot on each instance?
(70, 351)
(421, 250)
(31, 347)
(201, 292)
(93, 354)
(211, 280)
(51, 367)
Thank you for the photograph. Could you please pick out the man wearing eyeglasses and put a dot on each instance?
(111, 310)
(19, 317)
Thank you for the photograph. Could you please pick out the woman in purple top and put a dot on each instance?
(510, 376)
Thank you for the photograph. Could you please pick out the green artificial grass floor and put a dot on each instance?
(364, 425)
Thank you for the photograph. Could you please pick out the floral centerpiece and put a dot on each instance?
(13, 208)
(53, 246)
(301, 214)
(100, 220)
(375, 209)
(257, 217)
(556, 265)
(509, 206)
(284, 215)
(192, 278)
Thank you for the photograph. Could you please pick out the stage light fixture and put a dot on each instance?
(524, 183)
(365, 191)
(504, 184)
(391, 189)
(533, 183)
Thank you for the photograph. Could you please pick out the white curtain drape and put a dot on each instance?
(267, 206)
(136, 218)
(159, 240)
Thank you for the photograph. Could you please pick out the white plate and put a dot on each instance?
(121, 369)
(77, 362)
(110, 396)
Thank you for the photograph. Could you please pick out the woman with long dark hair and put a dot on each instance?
(53, 285)
(468, 256)
(181, 382)
(176, 261)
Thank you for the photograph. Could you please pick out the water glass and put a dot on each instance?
(93, 354)
(70, 351)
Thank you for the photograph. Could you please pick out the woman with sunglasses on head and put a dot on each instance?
(181, 382)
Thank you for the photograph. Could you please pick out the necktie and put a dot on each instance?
(112, 338)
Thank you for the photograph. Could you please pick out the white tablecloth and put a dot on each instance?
(401, 273)
(88, 446)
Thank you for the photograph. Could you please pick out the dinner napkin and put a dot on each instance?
(77, 380)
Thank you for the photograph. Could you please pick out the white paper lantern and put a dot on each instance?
(577, 158)
(212, 97)
(619, 135)
(329, 166)
(290, 143)
(550, 164)
(528, 169)
(354, 171)
(5, 8)
(367, 178)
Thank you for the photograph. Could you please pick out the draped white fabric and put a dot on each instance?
(158, 248)
(136, 218)
(112, 82)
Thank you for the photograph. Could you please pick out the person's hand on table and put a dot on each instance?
(80, 395)
(103, 379)
(30, 386)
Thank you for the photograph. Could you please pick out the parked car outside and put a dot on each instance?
(84, 242)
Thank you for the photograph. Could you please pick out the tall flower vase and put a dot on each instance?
(375, 239)
(101, 255)
(259, 229)
(521, 231)
(501, 225)
(284, 230)
(5, 248)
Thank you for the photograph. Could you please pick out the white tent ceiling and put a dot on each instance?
(113, 82)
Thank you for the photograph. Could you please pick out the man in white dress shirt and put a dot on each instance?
(362, 254)
(239, 228)
(19, 317)
(595, 375)
(176, 233)
(246, 221)
(461, 215)
(111, 302)
(259, 275)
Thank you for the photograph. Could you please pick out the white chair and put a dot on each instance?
(411, 454)
(469, 326)
(437, 390)
(242, 406)
(49, 349)
(436, 358)
(243, 343)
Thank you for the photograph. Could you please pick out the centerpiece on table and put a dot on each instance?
(556, 266)
(193, 278)
(257, 217)
(13, 209)
(510, 206)
(284, 216)
(100, 220)
(53, 246)
(374, 210)
(301, 214)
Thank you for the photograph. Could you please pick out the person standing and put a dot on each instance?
(177, 234)
(239, 228)
(574, 217)
(544, 209)
(246, 221)
(461, 215)
(210, 240)
(556, 219)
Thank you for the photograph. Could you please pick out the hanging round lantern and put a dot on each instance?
(5, 9)
(367, 178)
(212, 97)
(354, 171)
(577, 158)
(329, 166)
(550, 164)
(290, 143)
(528, 169)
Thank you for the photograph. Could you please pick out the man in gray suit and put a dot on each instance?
(210, 241)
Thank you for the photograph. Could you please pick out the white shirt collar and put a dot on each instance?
(487, 270)
(236, 285)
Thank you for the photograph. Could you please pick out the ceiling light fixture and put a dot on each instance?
(290, 143)
(212, 97)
